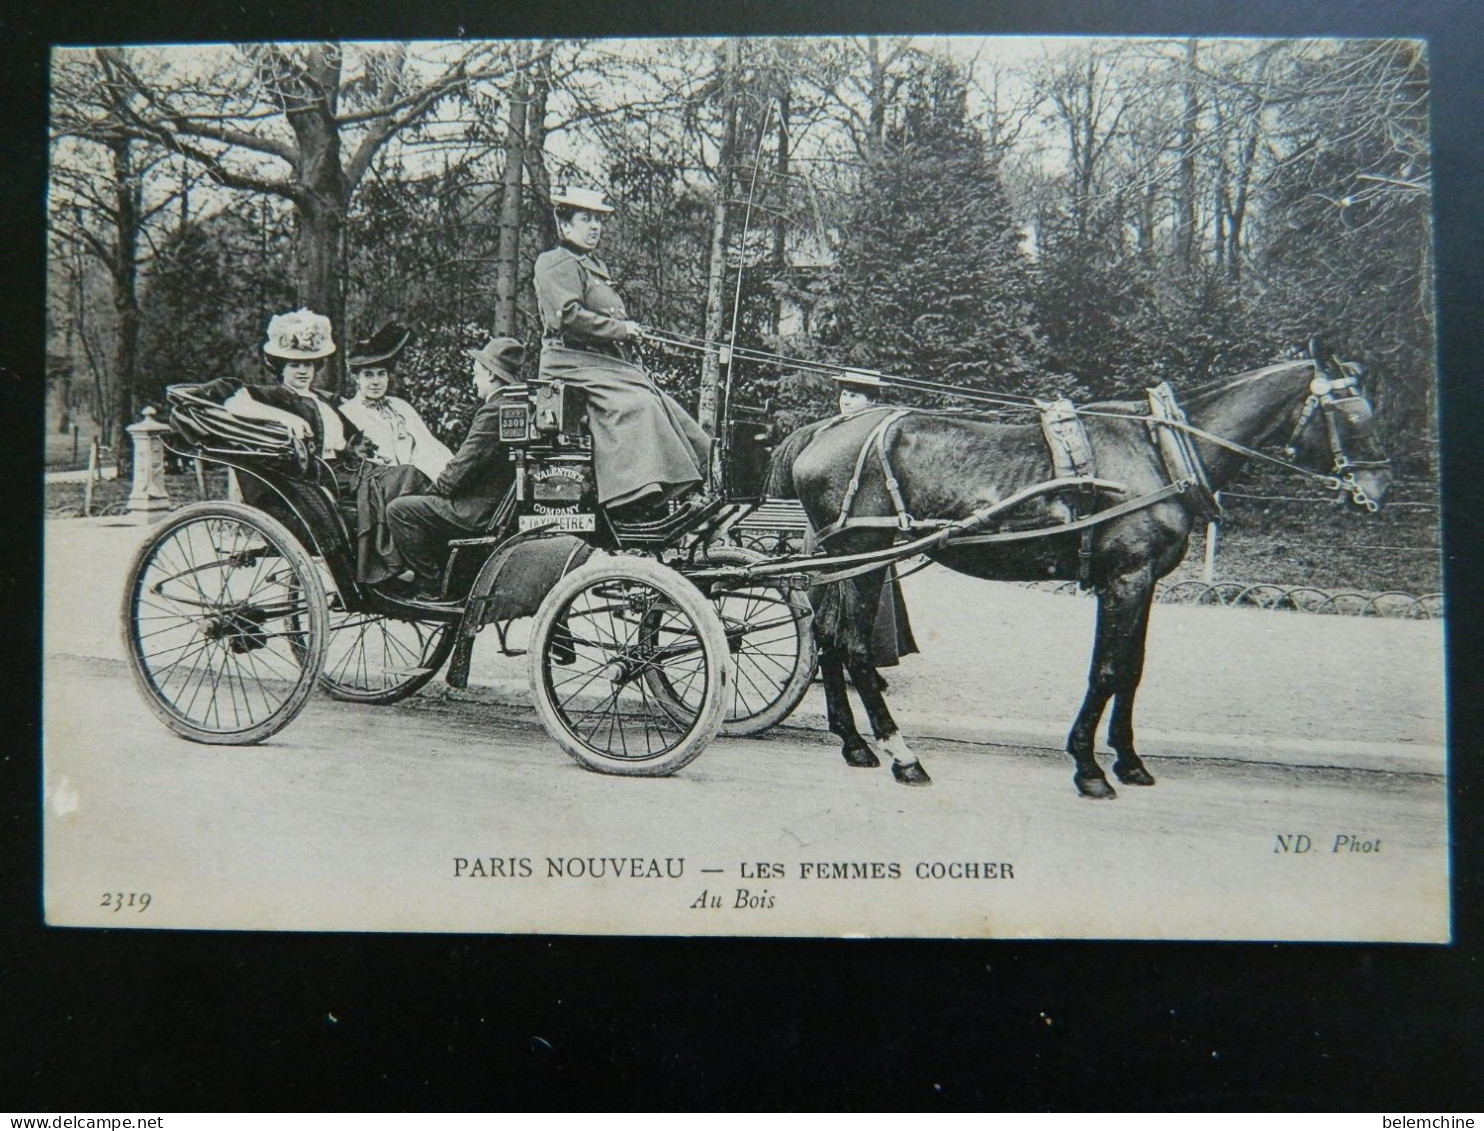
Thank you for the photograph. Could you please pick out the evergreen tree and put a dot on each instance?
(1348, 250)
(1095, 303)
(933, 281)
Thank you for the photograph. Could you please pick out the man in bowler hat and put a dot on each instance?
(464, 498)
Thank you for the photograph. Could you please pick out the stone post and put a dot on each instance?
(149, 501)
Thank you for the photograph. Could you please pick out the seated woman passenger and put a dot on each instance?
(389, 422)
(407, 458)
(297, 346)
(646, 448)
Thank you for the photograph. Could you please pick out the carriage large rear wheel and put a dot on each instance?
(598, 635)
(376, 659)
(225, 621)
(770, 639)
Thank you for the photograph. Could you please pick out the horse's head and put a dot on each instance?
(1338, 419)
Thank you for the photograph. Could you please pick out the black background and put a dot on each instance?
(121, 1021)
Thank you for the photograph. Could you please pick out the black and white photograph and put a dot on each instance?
(853, 486)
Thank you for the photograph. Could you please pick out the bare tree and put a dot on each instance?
(301, 122)
(99, 207)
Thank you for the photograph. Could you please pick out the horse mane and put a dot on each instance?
(1220, 385)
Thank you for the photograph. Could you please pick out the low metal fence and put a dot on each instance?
(1285, 598)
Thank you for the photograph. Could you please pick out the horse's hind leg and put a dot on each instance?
(853, 748)
(1128, 767)
(904, 764)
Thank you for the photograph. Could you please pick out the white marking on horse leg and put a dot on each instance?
(897, 747)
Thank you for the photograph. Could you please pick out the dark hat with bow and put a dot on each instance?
(380, 347)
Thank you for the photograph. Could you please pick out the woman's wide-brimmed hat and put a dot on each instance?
(583, 199)
(301, 335)
(859, 380)
(380, 347)
(501, 356)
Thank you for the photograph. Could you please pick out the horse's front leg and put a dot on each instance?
(904, 764)
(1128, 767)
(1117, 662)
(853, 748)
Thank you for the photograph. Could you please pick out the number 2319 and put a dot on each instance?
(118, 900)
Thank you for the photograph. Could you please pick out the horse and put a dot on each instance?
(957, 469)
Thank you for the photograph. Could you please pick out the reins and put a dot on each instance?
(1340, 483)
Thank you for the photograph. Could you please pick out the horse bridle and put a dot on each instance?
(1347, 414)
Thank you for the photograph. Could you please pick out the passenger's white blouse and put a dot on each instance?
(399, 433)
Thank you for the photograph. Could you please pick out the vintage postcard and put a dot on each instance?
(848, 487)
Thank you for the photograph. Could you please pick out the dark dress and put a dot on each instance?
(644, 443)
(891, 632)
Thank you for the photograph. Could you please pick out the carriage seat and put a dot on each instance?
(211, 429)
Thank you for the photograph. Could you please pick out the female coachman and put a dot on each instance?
(646, 448)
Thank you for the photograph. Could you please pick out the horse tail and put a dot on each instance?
(780, 482)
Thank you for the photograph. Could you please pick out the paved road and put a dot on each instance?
(1004, 664)
(428, 815)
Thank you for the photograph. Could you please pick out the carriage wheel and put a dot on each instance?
(225, 621)
(770, 639)
(598, 634)
(376, 659)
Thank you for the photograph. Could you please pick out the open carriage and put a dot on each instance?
(649, 639)
(235, 611)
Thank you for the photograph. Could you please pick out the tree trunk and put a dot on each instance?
(535, 155)
(1147, 200)
(1239, 209)
(1185, 199)
(322, 194)
(781, 272)
(321, 272)
(507, 254)
(708, 408)
(128, 201)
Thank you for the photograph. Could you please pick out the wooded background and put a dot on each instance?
(1025, 216)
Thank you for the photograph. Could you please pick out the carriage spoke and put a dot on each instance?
(216, 632)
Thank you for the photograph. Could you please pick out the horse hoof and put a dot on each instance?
(859, 755)
(1133, 775)
(1094, 786)
(910, 773)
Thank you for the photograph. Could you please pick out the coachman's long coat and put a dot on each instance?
(642, 439)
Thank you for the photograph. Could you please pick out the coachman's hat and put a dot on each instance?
(301, 335)
(501, 356)
(583, 199)
(380, 347)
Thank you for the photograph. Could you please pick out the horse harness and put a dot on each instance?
(1075, 474)
(1169, 431)
(1074, 477)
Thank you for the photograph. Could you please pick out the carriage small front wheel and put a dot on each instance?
(770, 638)
(371, 658)
(599, 636)
(225, 622)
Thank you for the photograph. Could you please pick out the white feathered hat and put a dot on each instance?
(301, 335)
